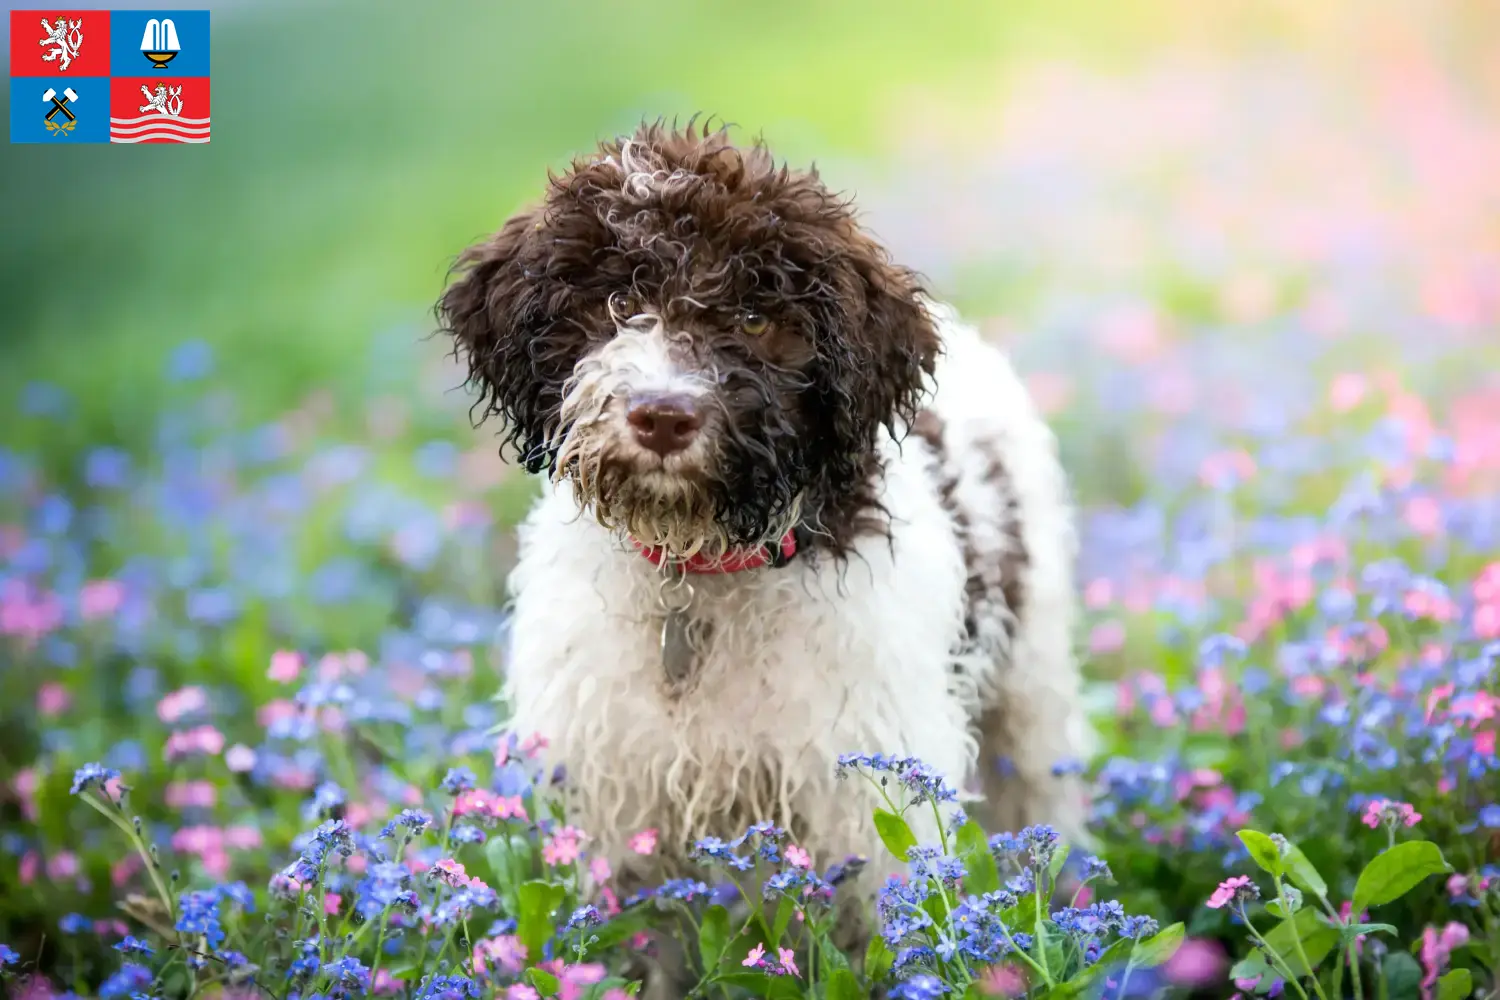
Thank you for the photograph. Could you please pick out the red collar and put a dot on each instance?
(734, 562)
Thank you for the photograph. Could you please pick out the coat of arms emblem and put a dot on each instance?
(65, 37)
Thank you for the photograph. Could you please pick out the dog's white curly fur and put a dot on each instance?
(813, 660)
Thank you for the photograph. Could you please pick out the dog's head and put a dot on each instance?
(704, 343)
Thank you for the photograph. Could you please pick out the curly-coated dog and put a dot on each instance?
(797, 509)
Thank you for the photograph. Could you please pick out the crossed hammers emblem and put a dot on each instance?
(68, 97)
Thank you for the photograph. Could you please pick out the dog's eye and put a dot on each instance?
(754, 324)
(622, 306)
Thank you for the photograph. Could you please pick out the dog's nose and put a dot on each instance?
(665, 424)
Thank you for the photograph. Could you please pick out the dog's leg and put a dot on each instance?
(1033, 728)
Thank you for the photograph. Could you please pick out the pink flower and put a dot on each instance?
(62, 865)
(242, 838)
(599, 869)
(502, 750)
(1107, 637)
(239, 758)
(507, 950)
(1436, 950)
(31, 866)
(181, 703)
(25, 786)
(1002, 981)
(1485, 742)
(451, 872)
(533, 744)
(787, 963)
(1425, 516)
(644, 842)
(1197, 962)
(385, 984)
(127, 866)
(797, 857)
(200, 740)
(191, 795)
(99, 599)
(1380, 811)
(576, 976)
(1227, 891)
(1346, 392)
(331, 901)
(520, 991)
(285, 666)
(52, 699)
(276, 710)
(563, 847)
(753, 959)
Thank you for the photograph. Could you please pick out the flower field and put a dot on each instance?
(251, 746)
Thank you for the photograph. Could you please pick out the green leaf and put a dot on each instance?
(758, 984)
(1402, 975)
(1162, 945)
(1358, 929)
(1318, 939)
(742, 944)
(1059, 858)
(538, 901)
(894, 833)
(1249, 967)
(878, 959)
(1262, 851)
(843, 986)
(982, 875)
(1393, 873)
(1273, 907)
(785, 910)
(1306, 921)
(831, 961)
(1456, 985)
(545, 982)
(617, 929)
(1302, 873)
(1107, 963)
(713, 936)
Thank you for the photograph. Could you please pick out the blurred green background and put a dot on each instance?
(357, 147)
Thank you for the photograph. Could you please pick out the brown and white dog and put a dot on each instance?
(797, 509)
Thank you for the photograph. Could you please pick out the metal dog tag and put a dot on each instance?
(677, 650)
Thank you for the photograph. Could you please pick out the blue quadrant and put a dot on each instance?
(28, 109)
(128, 27)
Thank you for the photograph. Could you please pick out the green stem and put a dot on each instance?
(128, 828)
(1041, 928)
(1125, 976)
(1297, 940)
(384, 916)
(1016, 950)
(1277, 961)
(427, 933)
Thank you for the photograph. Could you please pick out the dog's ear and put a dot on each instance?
(877, 344)
(516, 313)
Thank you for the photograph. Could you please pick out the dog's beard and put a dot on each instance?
(730, 490)
(683, 512)
(658, 509)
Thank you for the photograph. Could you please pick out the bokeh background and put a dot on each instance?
(1034, 158)
(1228, 244)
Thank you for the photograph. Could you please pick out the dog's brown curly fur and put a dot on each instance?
(721, 230)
